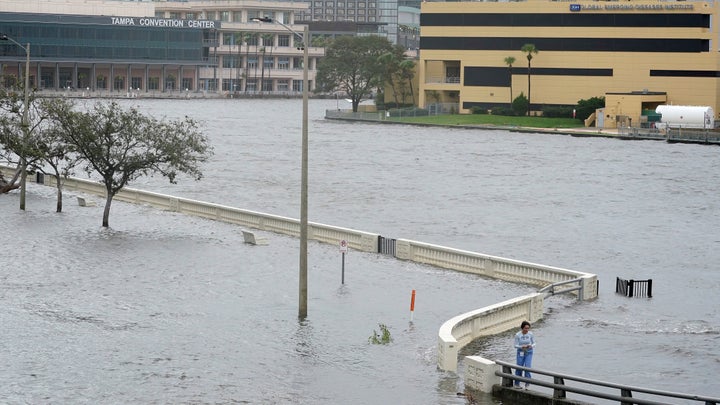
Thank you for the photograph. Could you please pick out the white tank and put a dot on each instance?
(684, 116)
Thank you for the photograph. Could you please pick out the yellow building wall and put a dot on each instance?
(630, 70)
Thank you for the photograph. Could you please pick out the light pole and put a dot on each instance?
(303, 281)
(25, 123)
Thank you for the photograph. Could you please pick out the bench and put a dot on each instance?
(251, 239)
(85, 203)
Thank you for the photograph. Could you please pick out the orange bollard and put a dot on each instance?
(412, 305)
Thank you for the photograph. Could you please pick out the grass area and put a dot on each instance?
(501, 120)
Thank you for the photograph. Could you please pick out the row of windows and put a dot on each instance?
(251, 61)
(330, 11)
(227, 16)
(105, 52)
(319, 16)
(567, 44)
(35, 33)
(566, 20)
(255, 39)
(103, 42)
(251, 84)
(342, 4)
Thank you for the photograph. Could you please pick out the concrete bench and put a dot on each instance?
(251, 239)
(85, 203)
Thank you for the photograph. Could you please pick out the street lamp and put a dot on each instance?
(302, 312)
(25, 123)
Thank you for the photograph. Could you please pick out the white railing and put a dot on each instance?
(458, 331)
(454, 333)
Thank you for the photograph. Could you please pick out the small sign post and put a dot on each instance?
(343, 250)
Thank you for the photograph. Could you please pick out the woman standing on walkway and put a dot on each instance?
(524, 344)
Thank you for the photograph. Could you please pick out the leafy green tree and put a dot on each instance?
(123, 145)
(520, 104)
(509, 62)
(586, 107)
(42, 145)
(351, 65)
(529, 50)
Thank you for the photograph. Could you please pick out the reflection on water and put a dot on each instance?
(165, 308)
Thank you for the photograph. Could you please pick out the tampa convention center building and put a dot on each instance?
(105, 46)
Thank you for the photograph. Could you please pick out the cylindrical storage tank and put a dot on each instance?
(684, 116)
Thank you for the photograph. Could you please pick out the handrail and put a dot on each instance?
(626, 390)
(551, 287)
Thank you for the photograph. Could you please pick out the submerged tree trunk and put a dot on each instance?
(58, 207)
(106, 212)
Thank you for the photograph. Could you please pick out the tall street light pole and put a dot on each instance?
(25, 123)
(303, 280)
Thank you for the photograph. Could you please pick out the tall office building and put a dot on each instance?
(640, 53)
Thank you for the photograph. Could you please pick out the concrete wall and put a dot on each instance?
(454, 333)
(457, 332)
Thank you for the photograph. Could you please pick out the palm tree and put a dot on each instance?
(267, 40)
(407, 72)
(509, 62)
(247, 37)
(529, 50)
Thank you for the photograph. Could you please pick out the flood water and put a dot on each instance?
(163, 308)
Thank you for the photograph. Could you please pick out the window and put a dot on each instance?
(187, 83)
(351, 4)
(175, 16)
(341, 4)
(297, 63)
(230, 61)
(329, 11)
(136, 83)
(153, 83)
(252, 14)
(361, 11)
(283, 40)
(329, 4)
(283, 62)
(351, 12)
(190, 16)
(318, 4)
(269, 62)
(230, 85)
(283, 85)
(252, 62)
(225, 16)
(361, 4)
(371, 19)
(251, 85)
(285, 16)
(372, 12)
(341, 12)
(237, 16)
(228, 38)
(297, 85)
(267, 85)
(119, 83)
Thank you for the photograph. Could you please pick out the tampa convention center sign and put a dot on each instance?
(163, 22)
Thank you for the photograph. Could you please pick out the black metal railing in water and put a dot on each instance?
(560, 388)
(633, 288)
(386, 246)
